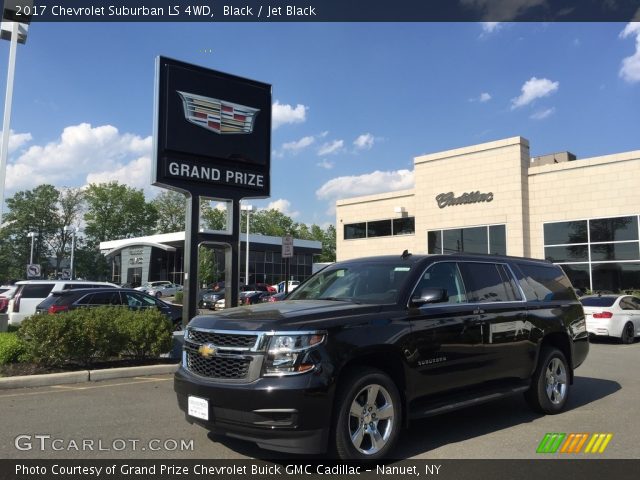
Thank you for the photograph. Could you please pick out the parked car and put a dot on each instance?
(66, 300)
(276, 297)
(374, 343)
(31, 292)
(210, 298)
(280, 287)
(145, 287)
(251, 298)
(613, 316)
(164, 290)
(6, 293)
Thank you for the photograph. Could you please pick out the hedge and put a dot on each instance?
(87, 335)
(11, 348)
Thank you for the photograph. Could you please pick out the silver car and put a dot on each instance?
(164, 290)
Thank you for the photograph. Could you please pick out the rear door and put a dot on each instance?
(502, 314)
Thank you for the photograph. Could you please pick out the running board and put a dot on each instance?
(449, 407)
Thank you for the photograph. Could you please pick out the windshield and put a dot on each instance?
(377, 283)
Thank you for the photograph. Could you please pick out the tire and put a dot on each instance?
(158, 295)
(368, 416)
(177, 325)
(550, 383)
(628, 333)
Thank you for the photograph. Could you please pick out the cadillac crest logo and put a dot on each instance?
(216, 115)
(207, 350)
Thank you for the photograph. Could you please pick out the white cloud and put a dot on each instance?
(283, 206)
(331, 147)
(16, 140)
(367, 184)
(542, 114)
(326, 164)
(364, 142)
(282, 114)
(630, 69)
(533, 89)
(490, 27)
(135, 173)
(484, 97)
(82, 150)
(298, 145)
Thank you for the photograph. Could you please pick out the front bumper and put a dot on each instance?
(287, 414)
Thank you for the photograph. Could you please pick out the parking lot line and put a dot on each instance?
(68, 388)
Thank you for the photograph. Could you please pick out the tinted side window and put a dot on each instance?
(548, 282)
(37, 290)
(443, 275)
(105, 298)
(488, 282)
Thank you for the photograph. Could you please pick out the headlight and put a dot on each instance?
(290, 354)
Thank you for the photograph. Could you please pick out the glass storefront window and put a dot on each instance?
(434, 243)
(355, 230)
(615, 251)
(576, 253)
(613, 229)
(498, 239)
(404, 226)
(579, 275)
(489, 239)
(615, 277)
(380, 228)
(563, 233)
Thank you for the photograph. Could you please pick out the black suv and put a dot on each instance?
(65, 300)
(364, 346)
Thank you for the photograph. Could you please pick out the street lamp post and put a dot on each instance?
(248, 209)
(33, 236)
(73, 247)
(16, 32)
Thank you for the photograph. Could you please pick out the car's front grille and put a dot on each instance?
(229, 368)
(229, 340)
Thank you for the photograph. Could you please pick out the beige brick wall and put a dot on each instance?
(589, 188)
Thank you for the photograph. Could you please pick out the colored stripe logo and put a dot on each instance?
(574, 443)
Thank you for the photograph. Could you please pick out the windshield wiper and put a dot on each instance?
(338, 299)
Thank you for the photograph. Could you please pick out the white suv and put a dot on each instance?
(31, 292)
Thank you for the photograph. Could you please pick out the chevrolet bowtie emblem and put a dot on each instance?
(219, 116)
(207, 350)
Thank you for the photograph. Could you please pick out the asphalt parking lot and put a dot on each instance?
(139, 418)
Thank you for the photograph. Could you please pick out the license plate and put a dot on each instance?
(198, 407)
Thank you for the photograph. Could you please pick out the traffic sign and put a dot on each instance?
(287, 246)
(66, 274)
(33, 270)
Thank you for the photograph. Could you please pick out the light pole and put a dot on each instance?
(73, 246)
(33, 236)
(248, 209)
(15, 30)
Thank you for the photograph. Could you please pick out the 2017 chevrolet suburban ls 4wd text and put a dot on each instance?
(365, 346)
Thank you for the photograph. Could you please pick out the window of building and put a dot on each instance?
(601, 254)
(484, 239)
(380, 228)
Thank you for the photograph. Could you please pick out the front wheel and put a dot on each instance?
(628, 332)
(550, 383)
(368, 418)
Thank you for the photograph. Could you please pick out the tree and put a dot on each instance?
(213, 218)
(171, 207)
(117, 211)
(269, 222)
(70, 204)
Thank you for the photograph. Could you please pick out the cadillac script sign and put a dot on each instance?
(212, 132)
(449, 199)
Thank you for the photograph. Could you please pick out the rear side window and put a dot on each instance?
(488, 282)
(36, 290)
(105, 298)
(548, 282)
(47, 302)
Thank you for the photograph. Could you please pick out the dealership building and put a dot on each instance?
(495, 198)
(161, 257)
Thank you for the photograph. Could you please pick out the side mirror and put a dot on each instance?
(429, 295)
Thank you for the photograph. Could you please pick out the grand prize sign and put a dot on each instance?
(213, 132)
(212, 139)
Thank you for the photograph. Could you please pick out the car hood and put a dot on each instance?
(288, 314)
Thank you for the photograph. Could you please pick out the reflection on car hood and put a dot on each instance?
(288, 314)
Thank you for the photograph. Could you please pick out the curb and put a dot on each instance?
(82, 376)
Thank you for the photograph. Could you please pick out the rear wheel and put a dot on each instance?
(628, 332)
(550, 383)
(158, 294)
(368, 417)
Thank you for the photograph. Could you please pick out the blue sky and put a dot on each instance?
(355, 102)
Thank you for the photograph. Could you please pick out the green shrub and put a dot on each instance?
(93, 334)
(11, 348)
(146, 333)
(178, 297)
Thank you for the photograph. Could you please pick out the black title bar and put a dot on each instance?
(322, 10)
